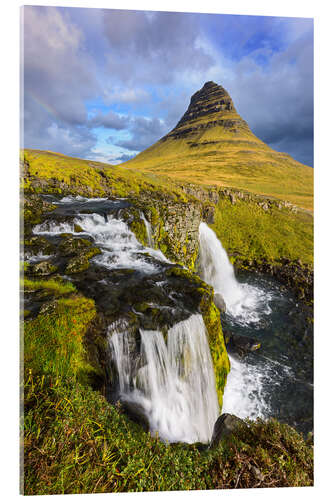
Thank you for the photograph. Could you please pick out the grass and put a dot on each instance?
(246, 230)
(53, 341)
(75, 442)
(63, 174)
(57, 287)
(228, 158)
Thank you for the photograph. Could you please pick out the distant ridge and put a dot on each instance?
(213, 144)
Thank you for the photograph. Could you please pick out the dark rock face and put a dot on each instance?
(211, 106)
(135, 412)
(241, 345)
(224, 426)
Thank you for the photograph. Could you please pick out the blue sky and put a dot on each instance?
(105, 84)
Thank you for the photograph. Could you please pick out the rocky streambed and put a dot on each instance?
(110, 250)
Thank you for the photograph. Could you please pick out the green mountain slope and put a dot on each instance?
(213, 145)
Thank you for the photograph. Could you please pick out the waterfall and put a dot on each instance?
(172, 381)
(245, 303)
(148, 229)
(119, 245)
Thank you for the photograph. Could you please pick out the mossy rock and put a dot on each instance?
(221, 363)
(36, 244)
(71, 245)
(43, 268)
(80, 263)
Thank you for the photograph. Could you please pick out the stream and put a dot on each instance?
(165, 367)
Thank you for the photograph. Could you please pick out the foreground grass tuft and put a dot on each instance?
(75, 442)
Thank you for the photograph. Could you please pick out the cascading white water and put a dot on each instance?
(174, 383)
(120, 248)
(149, 232)
(245, 305)
(244, 302)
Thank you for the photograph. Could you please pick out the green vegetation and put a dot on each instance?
(75, 442)
(225, 159)
(55, 173)
(53, 341)
(249, 232)
(56, 287)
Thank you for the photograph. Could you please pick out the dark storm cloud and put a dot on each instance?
(276, 99)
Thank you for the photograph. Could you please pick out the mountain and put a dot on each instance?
(213, 145)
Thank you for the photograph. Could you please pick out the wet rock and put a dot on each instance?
(219, 302)
(80, 262)
(136, 412)
(71, 245)
(209, 214)
(224, 426)
(242, 345)
(78, 228)
(43, 268)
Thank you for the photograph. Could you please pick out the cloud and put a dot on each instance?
(160, 44)
(124, 157)
(144, 132)
(110, 120)
(274, 95)
(90, 70)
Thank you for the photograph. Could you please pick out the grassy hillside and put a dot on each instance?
(247, 231)
(86, 177)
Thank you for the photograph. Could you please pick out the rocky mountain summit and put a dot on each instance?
(211, 106)
(213, 145)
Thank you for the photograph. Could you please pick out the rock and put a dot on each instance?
(43, 268)
(209, 214)
(224, 426)
(78, 228)
(232, 198)
(136, 412)
(219, 302)
(242, 345)
(257, 473)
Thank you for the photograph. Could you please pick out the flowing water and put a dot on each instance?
(168, 375)
(173, 381)
(276, 380)
(167, 372)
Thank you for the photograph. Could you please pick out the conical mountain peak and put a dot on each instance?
(210, 106)
(212, 144)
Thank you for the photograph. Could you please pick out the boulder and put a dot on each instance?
(43, 268)
(224, 426)
(136, 412)
(219, 302)
(242, 344)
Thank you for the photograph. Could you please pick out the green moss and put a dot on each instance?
(57, 287)
(80, 262)
(53, 340)
(221, 363)
(139, 229)
(75, 442)
(64, 175)
(249, 232)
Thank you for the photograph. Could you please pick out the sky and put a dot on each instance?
(105, 84)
